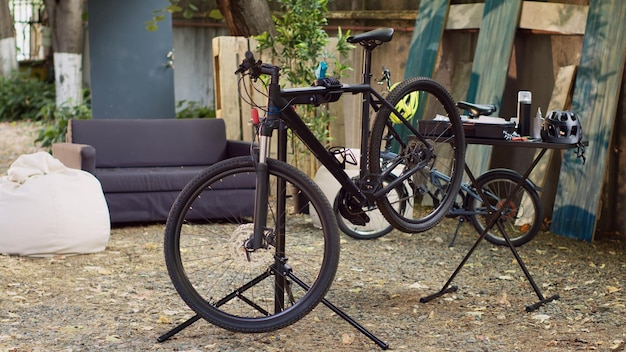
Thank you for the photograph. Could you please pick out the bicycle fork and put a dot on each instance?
(262, 192)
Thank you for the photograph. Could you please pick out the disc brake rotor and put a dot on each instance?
(262, 257)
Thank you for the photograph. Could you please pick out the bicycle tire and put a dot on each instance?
(447, 154)
(235, 289)
(522, 218)
(378, 225)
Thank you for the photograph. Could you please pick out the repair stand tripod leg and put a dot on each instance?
(542, 300)
(383, 345)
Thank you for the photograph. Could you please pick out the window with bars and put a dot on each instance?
(31, 35)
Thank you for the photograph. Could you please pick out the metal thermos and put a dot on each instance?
(524, 100)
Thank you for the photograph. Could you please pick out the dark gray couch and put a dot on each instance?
(144, 164)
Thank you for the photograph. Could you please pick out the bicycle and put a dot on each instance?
(264, 269)
(521, 220)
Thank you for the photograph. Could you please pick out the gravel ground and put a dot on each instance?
(122, 298)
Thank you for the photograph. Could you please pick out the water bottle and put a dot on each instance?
(524, 100)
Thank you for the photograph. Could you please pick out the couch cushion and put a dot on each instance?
(157, 179)
(225, 204)
(151, 142)
(146, 179)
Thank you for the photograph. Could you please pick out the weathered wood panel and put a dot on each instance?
(546, 173)
(426, 40)
(226, 59)
(619, 223)
(465, 16)
(595, 100)
(490, 67)
(553, 17)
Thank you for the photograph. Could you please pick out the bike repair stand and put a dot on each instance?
(493, 220)
(280, 221)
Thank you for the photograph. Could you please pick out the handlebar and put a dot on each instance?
(255, 67)
(326, 90)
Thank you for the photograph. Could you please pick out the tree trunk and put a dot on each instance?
(67, 43)
(246, 17)
(8, 53)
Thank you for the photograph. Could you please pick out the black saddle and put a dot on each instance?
(475, 110)
(379, 35)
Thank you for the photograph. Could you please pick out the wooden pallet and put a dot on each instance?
(228, 53)
(595, 100)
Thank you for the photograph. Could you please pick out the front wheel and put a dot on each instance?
(522, 214)
(210, 262)
(429, 155)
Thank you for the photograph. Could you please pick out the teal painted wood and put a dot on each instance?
(491, 65)
(595, 100)
(425, 43)
(426, 40)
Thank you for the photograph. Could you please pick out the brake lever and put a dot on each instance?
(248, 63)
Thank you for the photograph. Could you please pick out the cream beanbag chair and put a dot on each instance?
(48, 209)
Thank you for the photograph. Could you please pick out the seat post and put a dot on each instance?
(365, 109)
(367, 63)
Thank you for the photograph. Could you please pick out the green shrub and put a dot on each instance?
(22, 97)
(298, 47)
(54, 120)
(192, 109)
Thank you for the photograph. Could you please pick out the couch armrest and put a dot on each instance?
(237, 148)
(76, 156)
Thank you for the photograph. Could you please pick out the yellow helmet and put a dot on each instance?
(407, 106)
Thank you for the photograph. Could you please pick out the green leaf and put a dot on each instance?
(174, 8)
(188, 14)
(151, 26)
(216, 14)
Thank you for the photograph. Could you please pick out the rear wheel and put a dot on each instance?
(435, 143)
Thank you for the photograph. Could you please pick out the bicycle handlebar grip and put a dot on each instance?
(247, 63)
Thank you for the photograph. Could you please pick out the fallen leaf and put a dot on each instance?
(347, 339)
(418, 286)
(613, 289)
(163, 320)
(541, 317)
(151, 246)
(111, 338)
(504, 300)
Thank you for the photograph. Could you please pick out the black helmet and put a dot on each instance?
(561, 127)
